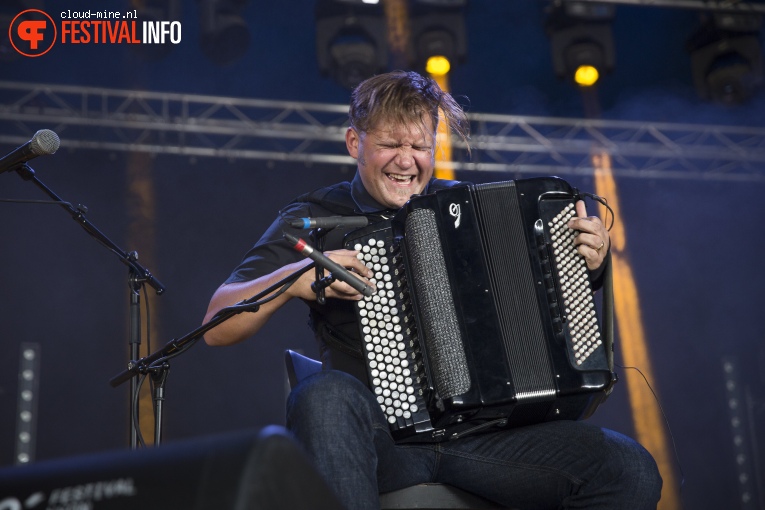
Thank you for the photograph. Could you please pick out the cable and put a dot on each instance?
(253, 306)
(148, 318)
(148, 341)
(666, 422)
(603, 202)
(577, 195)
(136, 424)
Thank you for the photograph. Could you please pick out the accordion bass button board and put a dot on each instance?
(388, 331)
(484, 314)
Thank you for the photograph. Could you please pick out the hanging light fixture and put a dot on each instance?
(350, 40)
(726, 59)
(581, 40)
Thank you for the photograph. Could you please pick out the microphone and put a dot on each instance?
(336, 269)
(43, 142)
(330, 222)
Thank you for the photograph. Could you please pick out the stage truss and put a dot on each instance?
(737, 6)
(199, 126)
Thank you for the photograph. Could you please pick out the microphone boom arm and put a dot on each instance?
(129, 259)
(157, 365)
(177, 346)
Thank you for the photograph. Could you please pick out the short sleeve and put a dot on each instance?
(272, 252)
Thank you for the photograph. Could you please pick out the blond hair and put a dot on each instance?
(402, 98)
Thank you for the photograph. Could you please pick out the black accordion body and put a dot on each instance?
(484, 314)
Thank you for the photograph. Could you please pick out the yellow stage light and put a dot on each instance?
(438, 65)
(586, 76)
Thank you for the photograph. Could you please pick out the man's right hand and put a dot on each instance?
(338, 289)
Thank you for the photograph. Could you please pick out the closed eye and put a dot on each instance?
(399, 145)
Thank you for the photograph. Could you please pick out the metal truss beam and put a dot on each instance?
(698, 5)
(314, 133)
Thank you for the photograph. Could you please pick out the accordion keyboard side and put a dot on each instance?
(393, 357)
(579, 359)
(578, 319)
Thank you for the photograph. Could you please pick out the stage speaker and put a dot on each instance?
(259, 470)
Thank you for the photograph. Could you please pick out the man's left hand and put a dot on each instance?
(593, 240)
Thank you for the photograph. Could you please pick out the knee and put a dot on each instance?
(646, 474)
(325, 397)
(633, 466)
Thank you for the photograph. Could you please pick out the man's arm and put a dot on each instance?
(244, 325)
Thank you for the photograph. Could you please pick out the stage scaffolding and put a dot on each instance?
(736, 6)
(199, 126)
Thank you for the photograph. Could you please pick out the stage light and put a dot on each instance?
(224, 34)
(586, 76)
(443, 3)
(438, 30)
(438, 65)
(726, 59)
(350, 41)
(581, 40)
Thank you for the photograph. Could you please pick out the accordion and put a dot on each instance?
(484, 314)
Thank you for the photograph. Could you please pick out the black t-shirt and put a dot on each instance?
(334, 324)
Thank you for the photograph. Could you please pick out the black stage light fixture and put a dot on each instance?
(438, 32)
(350, 40)
(224, 34)
(443, 3)
(581, 40)
(726, 58)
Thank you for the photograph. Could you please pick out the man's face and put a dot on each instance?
(395, 161)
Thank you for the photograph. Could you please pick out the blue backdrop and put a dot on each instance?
(694, 245)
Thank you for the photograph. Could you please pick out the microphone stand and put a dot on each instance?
(321, 282)
(137, 276)
(156, 363)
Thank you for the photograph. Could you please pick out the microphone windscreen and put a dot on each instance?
(44, 142)
(438, 317)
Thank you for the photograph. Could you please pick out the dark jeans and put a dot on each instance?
(560, 464)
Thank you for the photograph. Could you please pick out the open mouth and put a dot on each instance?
(401, 179)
